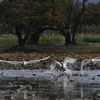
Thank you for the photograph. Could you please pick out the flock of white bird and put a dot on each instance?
(56, 65)
(64, 65)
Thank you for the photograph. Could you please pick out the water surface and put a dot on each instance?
(46, 85)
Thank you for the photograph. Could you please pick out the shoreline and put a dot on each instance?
(35, 56)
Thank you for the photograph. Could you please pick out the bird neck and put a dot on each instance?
(65, 66)
(23, 61)
(82, 64)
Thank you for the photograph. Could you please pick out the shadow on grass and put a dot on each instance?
(51, 50)
(17, 48)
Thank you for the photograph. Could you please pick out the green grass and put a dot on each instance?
(28, 49)
(51, 40)
(55, 40)
(8, 40)
(91, 38)
(17, 48)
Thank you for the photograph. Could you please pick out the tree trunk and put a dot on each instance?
(34, 38)
(77, 22)
(67, 37)
(74, 36)
(19, 35)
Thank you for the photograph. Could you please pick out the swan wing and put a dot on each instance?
(65, 63)
(45, 58)
(35, 61)
(58, 65)
(32, 61)
(70, 60)
(55, 64)
(86, 61)
(2, 60)
(97, 59)
(12, 62)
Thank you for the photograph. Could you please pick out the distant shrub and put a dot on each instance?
(8, 40)
(47, 39)
(94, 38)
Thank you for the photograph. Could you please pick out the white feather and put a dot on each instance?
(67, 61)
(24, 62)
(84, 62)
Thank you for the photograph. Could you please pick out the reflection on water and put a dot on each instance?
(23, 88)
(46, 90)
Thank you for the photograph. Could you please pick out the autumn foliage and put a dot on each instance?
(29, 18)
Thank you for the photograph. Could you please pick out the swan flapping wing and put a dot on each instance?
(55, 64)
(45, 58)
(11, 62)
(58, 63)
(35, 61)
(70, 60)
(21, 62)
(85, 61)
(2, 60)
(97, 59)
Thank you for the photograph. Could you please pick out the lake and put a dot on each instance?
(48, 85)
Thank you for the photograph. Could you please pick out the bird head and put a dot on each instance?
(22, 59)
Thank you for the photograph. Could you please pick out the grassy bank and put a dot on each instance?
(51, 41)
(53, 50)
(54, 40)
(8, 40)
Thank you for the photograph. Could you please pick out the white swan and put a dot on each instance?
(33, 61)
(95, 60)
(68, 61)
(84, 62)
(62, 66)
(23, 62)
(55, 65)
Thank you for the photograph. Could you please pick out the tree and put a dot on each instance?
(22, 16)
(74, 11)
(64, 16)
(91, 14)
(31, 17)
(50, 18)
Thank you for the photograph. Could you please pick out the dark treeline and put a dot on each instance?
(29, 18)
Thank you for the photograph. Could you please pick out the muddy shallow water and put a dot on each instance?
(44, 84)
(18, 83)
